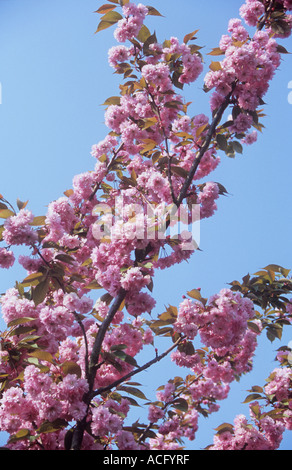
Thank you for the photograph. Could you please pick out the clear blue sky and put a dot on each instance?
(54, 75)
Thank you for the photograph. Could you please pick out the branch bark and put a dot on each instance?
(94, 358)
(93, 366)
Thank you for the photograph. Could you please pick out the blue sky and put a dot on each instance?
(55, 76)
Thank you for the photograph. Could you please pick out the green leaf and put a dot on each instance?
(177, 170)
(93, 285)
(112, 17)
(216, 51)
(105, 8)
(53, 426)
(111, 359)
(70, 367)
(125, 357)
(20, 321)
(118, 347)
(195, 294)
(22, 433)
(187, 348)
(215, 66)
(237, 146)
(65, 258)
(180, 404)
(222, 142)
(282, 49)
(278, 269)
(42, 355)
(113, 100)
(175, 104)
(149, 144)
(254, 327)
(190, 36)
(252, 397)
(144, 34)
(225, 427)
(274, 331)
(6, 213)
(33, 279)
(152, 39)
(103, 25)
(108, 20)
(133, 391)
(33, 360)
(256, 389)
(256, 410)
(40, 291)
(21, 204)
(39, 220)
(21, 330)
(152, 11)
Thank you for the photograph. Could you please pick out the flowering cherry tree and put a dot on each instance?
(69, 357)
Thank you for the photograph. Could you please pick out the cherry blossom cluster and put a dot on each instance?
(269, 421)
(221, 323)
(253, 11)
(230, 345)
(249, 64)
(264, 435)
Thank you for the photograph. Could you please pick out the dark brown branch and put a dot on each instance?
(216, 120)
(139, 369)
(97, 185)
(93, 363)
(93, 366)
(264, 20)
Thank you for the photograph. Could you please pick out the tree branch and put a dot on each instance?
(216, 120)
(93, 363)
(78, 433)
(139, 369)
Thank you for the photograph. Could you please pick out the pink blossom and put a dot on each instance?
(130, 26)
(159, 75)
(14, 307)
(250, 138)
(229, 314)
(118, 54)
(125, 441)
(17, 229)
(242, 123)
(207, 198)
(6, 258)
(155, 413)
(104, 422)
(251, 11)
(30, 264)
(134, 280)
(280, 384)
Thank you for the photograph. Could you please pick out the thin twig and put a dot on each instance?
(86, 360)
(97, 185)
